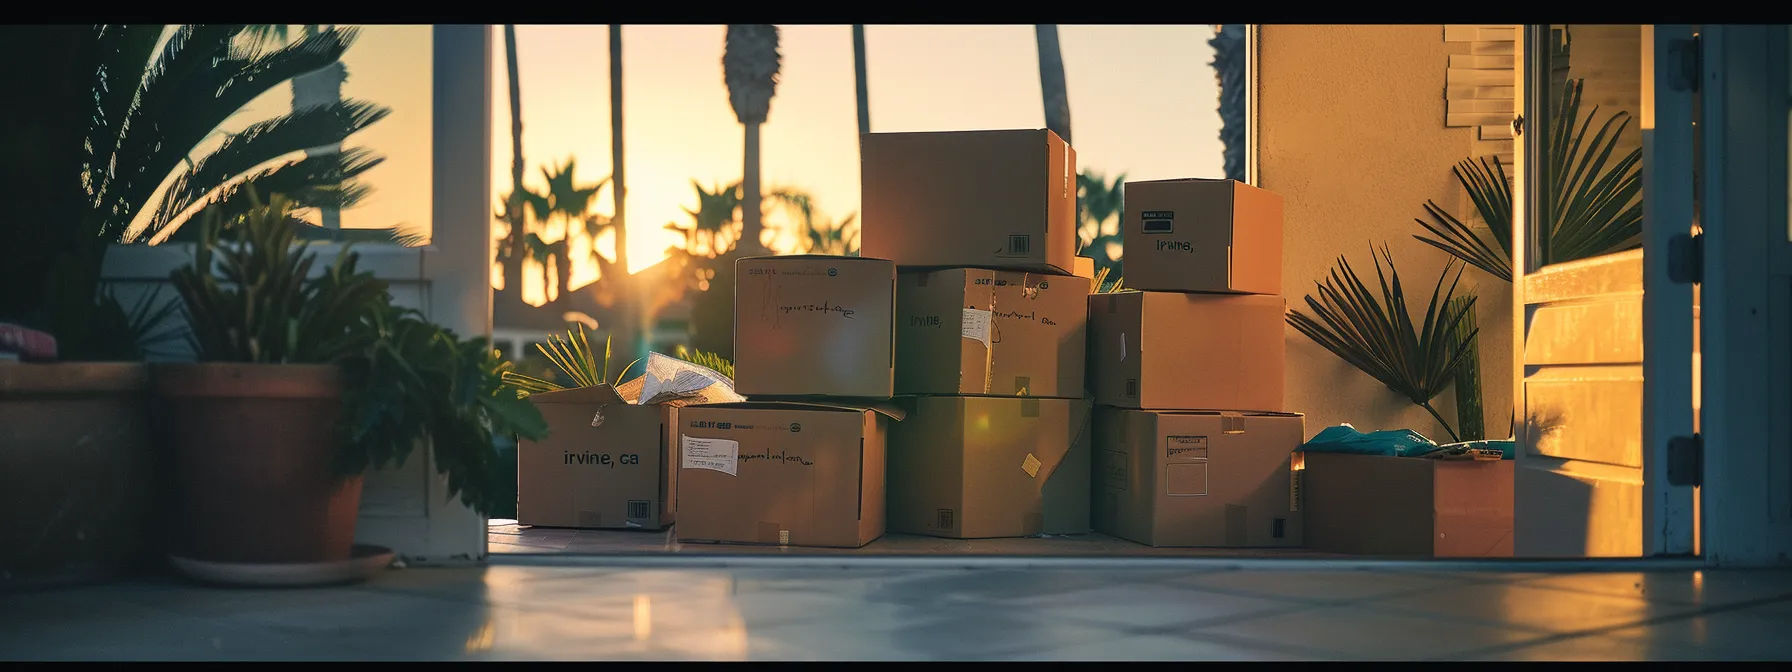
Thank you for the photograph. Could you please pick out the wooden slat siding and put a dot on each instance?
(1473, 62)
(1479, 92)
(1480, 33)
(1456, 119)
(1468, 77)
(1493, 132)
(1493, 49)
(1453, 106)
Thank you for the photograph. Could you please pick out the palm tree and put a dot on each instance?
(569, 202)
(1229, 68)
(750, 64)
(814, 234)
(1099, 200)
(858, 67)
(633, 319)
(88, 163)
(511, 252)
(1051, 81)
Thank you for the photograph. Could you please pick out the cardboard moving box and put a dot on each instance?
(975, 331)
(1201, 235)
(982, 199)
(814, 326)
(1197, 478)
(1407, 506)
(782, 473)
(1165, 350)
(605, 464)
(978, 467)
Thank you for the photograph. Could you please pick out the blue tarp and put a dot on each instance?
(1393, 443)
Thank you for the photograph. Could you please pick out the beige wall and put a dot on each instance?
(1351, 134)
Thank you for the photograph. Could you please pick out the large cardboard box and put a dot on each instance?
(979, 467)
(977, 331)
(984, 199)
(1197, 478)
(1165, 350)
(782, 473)
(814, 326)
(605, 464)
(1407, 506)
(1201, 235)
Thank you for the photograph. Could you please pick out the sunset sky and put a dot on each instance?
(1143, 100)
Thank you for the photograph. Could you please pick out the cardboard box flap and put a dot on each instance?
(1266, 414)
(1182, 179)
(885, 408)
(595, 394)
(782, 257)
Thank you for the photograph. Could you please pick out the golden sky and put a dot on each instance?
(1143, 100)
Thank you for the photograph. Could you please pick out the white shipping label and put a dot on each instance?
(976, 325)
(713, 454)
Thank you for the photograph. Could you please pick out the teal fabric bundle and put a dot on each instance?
(1395, 443)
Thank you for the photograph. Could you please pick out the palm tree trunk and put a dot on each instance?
(1229, 67)
(750, 212)
(633, 340)
(1051, 81)
(513, 210)
(858, 65)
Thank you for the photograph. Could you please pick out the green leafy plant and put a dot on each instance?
(1378, 336)
(573, 357)
(1471, 422)
(1592, 205)
(104, 154)
(252, 299)
(713, 361)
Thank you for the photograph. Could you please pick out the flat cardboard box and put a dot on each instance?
(982, 199)
(982, 467)
(1168, 350)
(1202, 235)
(788, 474)
(814, 326)
(1198, 478)
(590, 473)
(977, 331)
(1407, 506)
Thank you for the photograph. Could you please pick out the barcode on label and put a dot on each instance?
(639, 508)
(943, 519)
(1020, 244)
(1132, 387)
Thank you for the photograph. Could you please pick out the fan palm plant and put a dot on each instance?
(114, 117)
(750, 64)
(1591, 203)
(1379, 337)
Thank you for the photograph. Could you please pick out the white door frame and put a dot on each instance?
(1745, 336)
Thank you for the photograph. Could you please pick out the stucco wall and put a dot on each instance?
(1351, 134)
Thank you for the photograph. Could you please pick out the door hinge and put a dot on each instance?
(1686, 258)
(1686, 460)
(1692, 68)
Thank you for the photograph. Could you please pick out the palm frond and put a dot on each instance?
(1377, 335)
(573, 357)
(322, 181)
(1592, 202)
(713, 361)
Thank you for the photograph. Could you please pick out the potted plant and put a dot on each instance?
(116, 109)
(306, 380)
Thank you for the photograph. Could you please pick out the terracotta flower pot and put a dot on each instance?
(255, 444)
(76, 465)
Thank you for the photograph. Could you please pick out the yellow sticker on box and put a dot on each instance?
(1031, 465)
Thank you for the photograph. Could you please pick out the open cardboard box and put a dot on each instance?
(1406, 506)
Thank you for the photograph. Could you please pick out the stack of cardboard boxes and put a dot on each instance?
(991, 324)
(939, 382)
(1192, 448)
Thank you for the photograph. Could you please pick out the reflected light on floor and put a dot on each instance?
(643, 618)
(483, 639)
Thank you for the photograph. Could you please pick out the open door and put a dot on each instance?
(1599, 424)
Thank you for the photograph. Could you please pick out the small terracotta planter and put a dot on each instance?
(255, 444)
(77, 468)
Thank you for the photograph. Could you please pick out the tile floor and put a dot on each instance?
(508, 537)
(758, 607)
